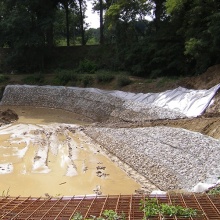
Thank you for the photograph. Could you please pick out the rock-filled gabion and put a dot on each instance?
(80, 101)
(172, 158)
(96, 104)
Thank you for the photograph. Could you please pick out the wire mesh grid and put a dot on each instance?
(63, 208)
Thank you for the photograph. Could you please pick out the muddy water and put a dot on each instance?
(46, 153)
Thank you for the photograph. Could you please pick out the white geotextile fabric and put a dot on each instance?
(185, 102)
(189, 102)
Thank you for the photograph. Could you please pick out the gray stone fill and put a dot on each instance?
(172, 158)
(92, 103)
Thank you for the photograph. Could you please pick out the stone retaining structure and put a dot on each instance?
(87, 103)
(96, 104)
(172, 158)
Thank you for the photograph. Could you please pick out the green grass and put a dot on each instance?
(214, 191)
(162, 81)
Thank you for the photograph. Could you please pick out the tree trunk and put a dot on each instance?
(81, 23)
(158, 12)
(101, 23)
(67, 24)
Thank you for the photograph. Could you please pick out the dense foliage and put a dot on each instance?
(179, 37)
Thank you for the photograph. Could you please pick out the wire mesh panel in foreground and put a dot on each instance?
(64, 208)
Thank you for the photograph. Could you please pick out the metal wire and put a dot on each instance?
(64, 208)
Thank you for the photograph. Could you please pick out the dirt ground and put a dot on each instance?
(44, 147)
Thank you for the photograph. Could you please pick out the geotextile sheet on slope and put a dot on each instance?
(189, 102)
(101, 104)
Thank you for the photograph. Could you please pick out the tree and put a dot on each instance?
(199, 25)
(82, 8)
(101, 22)
(101, 6)
(27, 27)
(159, 12)
(122, 16)
(32, 21)
(128, 10)
(67, 5)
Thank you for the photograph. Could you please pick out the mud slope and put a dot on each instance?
(205, 125)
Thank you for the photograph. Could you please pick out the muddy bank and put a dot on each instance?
(206, 125)
(41, 155)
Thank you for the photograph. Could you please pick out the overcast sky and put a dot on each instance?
(92, 18)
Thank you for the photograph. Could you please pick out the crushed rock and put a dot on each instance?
(87, 102)
(172, 158)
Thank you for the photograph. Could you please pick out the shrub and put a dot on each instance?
(123, 80)
(87, 66)
(104, 77)
(3, 78)
(151, 208)
(86, 80)
(37, 79)
(64, 76)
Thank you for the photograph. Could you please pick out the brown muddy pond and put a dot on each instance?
(46, 153)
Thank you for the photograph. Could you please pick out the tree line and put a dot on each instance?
(150, 38)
